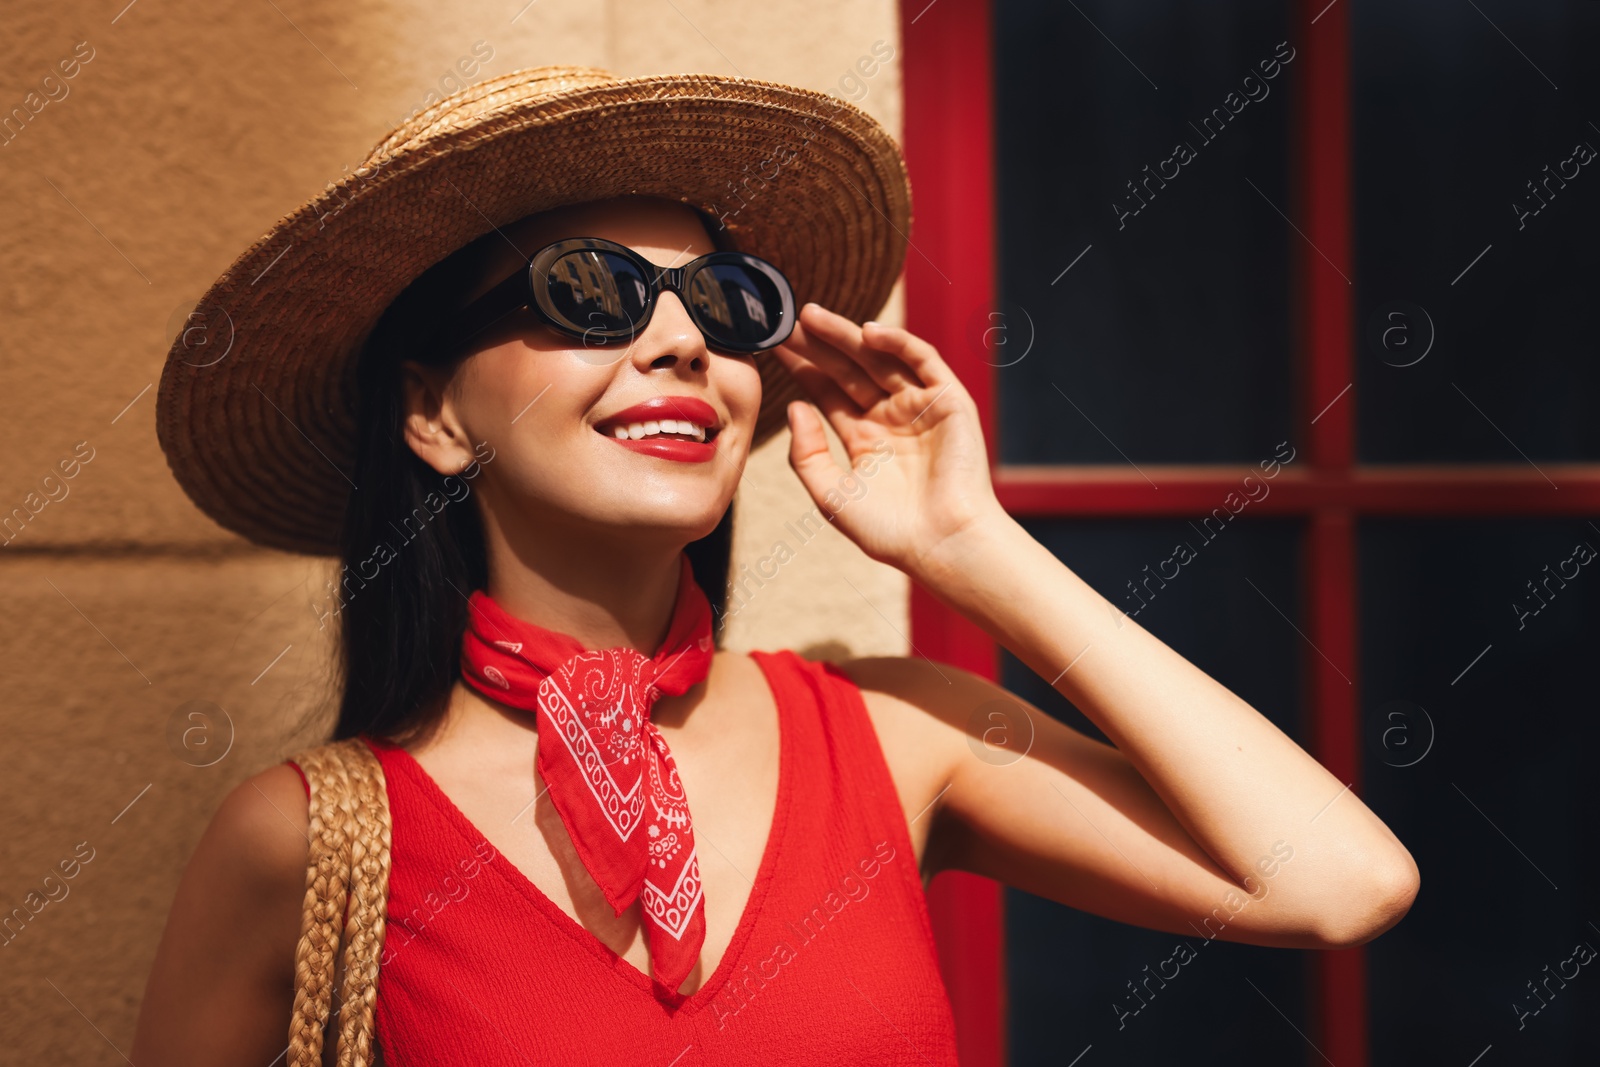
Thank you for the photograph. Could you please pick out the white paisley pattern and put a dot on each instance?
(599, 704)
(593, 710)
(673, 909)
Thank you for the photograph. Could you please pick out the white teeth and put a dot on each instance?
(637, 430)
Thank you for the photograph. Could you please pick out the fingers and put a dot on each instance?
(844, 373)
(921, 359)
(808, 450)
(838, 345)
(869, 361)
(841, 409)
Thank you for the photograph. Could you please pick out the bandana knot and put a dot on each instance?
(609, 772)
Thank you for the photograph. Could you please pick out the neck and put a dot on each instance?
(603, 593)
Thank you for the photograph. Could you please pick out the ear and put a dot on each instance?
(430, 422)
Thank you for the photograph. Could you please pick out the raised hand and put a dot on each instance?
(877, 384)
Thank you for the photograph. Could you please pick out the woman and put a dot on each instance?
(814, 789)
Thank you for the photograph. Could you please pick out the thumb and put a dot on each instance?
(808, 450)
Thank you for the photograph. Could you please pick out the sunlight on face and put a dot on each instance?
(539, 397)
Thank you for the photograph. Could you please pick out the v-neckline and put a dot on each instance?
(678, 1002)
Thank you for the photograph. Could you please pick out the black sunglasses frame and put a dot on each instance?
(528, 287)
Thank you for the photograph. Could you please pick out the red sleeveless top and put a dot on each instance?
(832, 961)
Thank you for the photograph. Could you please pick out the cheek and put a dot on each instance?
(515, 391)
(740, 388)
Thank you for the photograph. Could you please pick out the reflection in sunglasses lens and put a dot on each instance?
(735, 304)
(597, 291)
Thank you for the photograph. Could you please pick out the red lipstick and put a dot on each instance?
(685, 408)
(689, 408)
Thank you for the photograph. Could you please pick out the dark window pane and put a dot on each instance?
(1068, 970)
(1168, 341)
(1453, 118)
(1500, 812)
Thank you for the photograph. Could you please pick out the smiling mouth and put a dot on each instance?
(660, 430)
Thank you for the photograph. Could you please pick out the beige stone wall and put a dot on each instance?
(186, 129)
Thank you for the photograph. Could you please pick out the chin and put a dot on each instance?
(674, 526)
(623, 494)
(660, 515)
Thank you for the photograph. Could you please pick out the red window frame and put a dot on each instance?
(950, 275)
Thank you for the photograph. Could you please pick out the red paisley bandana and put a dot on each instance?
(606, 765)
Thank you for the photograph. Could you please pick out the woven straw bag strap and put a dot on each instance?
(349, 861)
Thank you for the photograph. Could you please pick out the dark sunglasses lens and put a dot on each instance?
(737, 305)
(599, 293)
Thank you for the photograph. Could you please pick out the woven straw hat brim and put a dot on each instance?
(257, 404)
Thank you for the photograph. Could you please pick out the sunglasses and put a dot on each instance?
(604, 293)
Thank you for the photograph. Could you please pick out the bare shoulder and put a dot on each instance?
(263, 827)
(222, 984)
(910, 688)
(283, 792)
(920, 711)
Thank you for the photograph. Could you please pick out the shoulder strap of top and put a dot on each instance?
(348, 864)
(842, 726)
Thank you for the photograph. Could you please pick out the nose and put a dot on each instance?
(671, 339)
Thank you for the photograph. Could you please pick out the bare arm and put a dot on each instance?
(1203, 807)
(1075, 821)
(222, 987)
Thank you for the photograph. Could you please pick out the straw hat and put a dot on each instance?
(257, 405)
